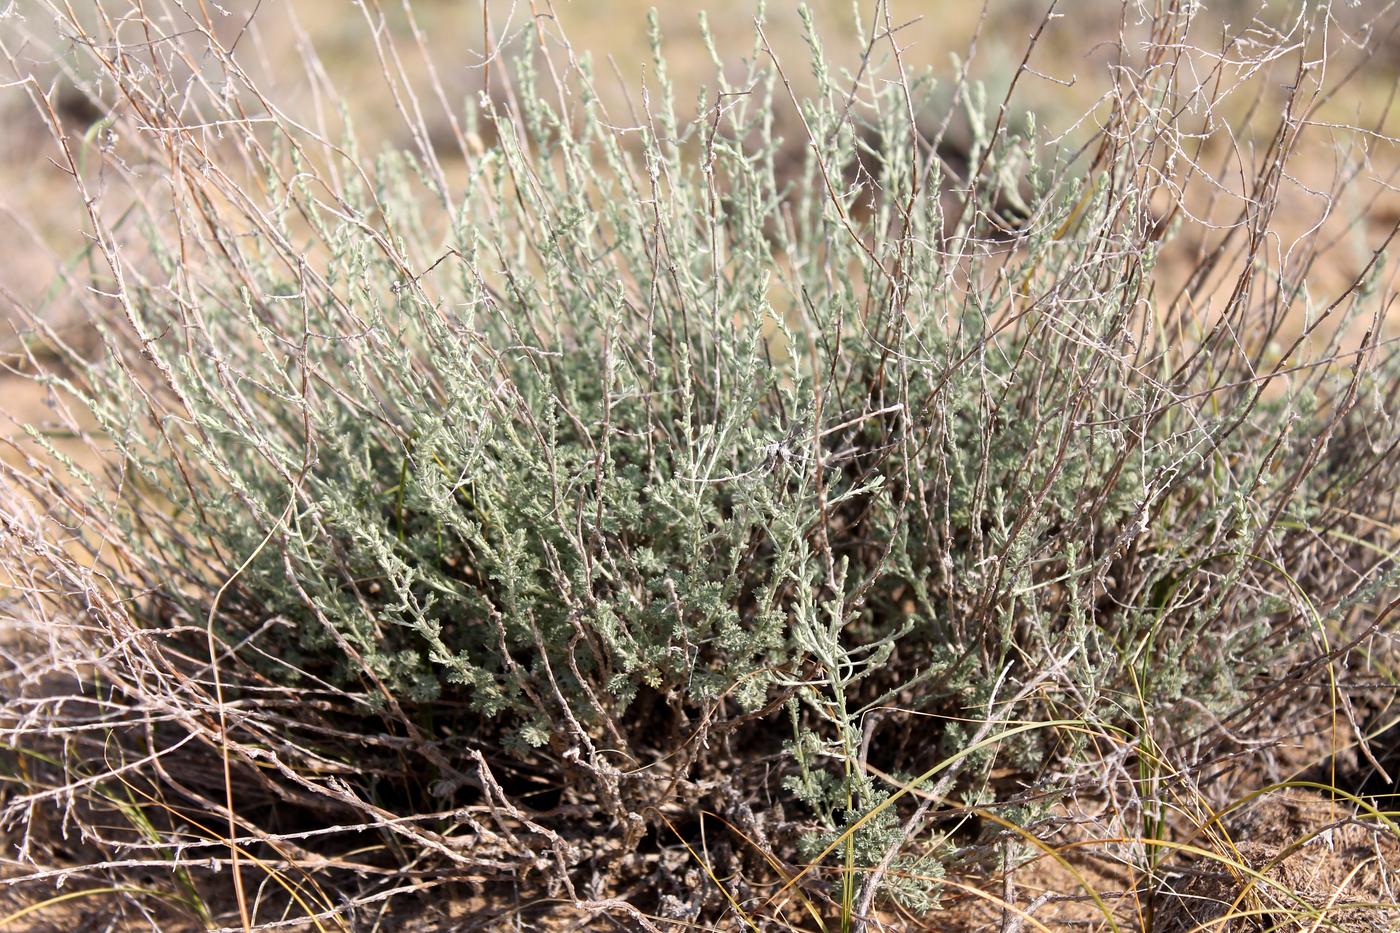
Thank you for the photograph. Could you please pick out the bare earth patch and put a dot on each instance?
(1313, 864)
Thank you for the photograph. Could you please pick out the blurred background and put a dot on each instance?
(381, 60)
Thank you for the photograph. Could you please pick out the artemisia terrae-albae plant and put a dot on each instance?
(683, 508)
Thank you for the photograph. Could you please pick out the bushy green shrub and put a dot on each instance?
(624, 446)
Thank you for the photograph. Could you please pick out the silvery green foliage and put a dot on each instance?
(632, 435)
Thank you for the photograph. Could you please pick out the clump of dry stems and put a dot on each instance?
(790, 509)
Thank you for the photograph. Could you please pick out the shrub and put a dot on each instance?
(527, 515)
